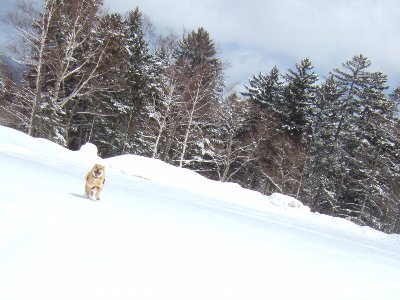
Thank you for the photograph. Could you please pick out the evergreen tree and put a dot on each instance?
(267, 92)
(292, 100)
(352, 164)
(103, 114)
(372, 156)
(300, 102)
(351, 81)
(325, 151)
(199, 74)
(286, 111)
(141, 75)
(392, 218)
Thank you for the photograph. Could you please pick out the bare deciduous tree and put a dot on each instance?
(57, 48)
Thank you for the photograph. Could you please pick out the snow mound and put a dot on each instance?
(287, 202)
(88, 152)
(89, 149)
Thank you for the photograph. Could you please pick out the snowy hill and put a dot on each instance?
(161, 232)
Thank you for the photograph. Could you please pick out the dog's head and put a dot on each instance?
(98, 170)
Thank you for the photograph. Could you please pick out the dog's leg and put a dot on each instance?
(88, 191)
(98, 190)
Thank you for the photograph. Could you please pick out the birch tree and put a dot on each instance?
(78, 54)
(33, 27)
(233, 143)
(61, 64)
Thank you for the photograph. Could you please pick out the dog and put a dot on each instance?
(95, 181)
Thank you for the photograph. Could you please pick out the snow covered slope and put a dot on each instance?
(161, 232)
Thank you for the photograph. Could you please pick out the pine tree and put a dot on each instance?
(299, 97)
(199, 74)
(267, 92)
(373, 157)
(392, 218)
(325, 151)
(141, 73)
(285, 111)
(104, 113)
(352, 151)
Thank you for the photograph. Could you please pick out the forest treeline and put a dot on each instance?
(90, 76)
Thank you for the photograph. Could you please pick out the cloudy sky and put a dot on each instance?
(254, 35)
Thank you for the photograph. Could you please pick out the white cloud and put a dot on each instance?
(5, 32)
(282, 32)
(254, 35)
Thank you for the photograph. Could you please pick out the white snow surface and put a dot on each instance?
(161, 232)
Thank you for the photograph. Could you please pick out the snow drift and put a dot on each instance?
(162, 232)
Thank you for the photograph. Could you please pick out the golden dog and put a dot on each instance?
(95, 181)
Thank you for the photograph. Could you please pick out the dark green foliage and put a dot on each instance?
(299, 100)
(141, 74)
(351, 167)
(267, 91)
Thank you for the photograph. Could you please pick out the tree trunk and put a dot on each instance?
(39, 76)
(189, 126)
